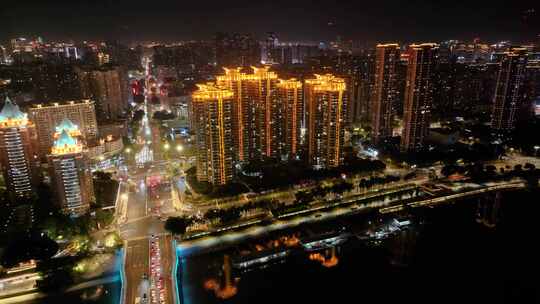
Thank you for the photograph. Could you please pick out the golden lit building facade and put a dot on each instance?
(256, 112)
(418, 95)
(233, 80)
(508, 97)
(291, 115)
(213, 123)
(326, 99)
(385, 92)
(18, 156)
(71, 178)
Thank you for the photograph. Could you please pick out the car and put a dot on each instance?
(145, 276)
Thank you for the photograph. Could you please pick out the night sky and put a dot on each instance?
(169, 20)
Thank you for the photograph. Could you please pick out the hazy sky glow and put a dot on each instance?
(293, 20)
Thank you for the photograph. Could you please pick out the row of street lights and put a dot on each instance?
(178, 148)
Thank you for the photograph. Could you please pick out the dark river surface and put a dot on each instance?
(101, 294)
(446, 255)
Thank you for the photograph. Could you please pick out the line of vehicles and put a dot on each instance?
(157, 281)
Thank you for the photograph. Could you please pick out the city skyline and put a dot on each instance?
(266, 151)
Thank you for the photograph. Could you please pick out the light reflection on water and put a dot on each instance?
(418, 264)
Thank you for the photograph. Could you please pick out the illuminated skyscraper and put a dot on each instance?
(326, 103)
(71, 178)
(383, 96)
(256, 111)
(263, 128)
(233, 80)
(508, 96)
(418, 95)
(291, 102)
(212, 117)
(17, 150)
(48, 117)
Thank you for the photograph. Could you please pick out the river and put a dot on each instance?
(444, 256)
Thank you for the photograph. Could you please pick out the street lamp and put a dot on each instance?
(179, 148)
(128, 150)
(166, 146)
(536, 148)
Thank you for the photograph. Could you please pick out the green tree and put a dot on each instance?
(176, 225)
(24, 247)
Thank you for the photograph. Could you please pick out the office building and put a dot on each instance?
(17, 151)
(48, 117)
(212, 115)
(508, 97)
(385, 92)
(326, 99)
(418, 95)
(71, 178)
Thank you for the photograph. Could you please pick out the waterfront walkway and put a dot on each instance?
(346, 207)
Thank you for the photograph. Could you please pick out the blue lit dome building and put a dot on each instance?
(18, 157)
(68, 126)
(71, 177)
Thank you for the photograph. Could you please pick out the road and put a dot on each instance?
(166, 246)
(161, 280)
(136, 266)
(149, 253)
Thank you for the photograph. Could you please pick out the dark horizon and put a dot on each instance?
(302, 20)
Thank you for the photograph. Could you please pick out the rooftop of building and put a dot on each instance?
(66, 125)
(423, 45)
(387, 45)
(291, 83)
(210, 91)
(327, 82)
(60, 104)
(66, 144)
(11, 115)
(257, 74)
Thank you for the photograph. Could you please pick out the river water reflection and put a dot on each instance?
(445, 255)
